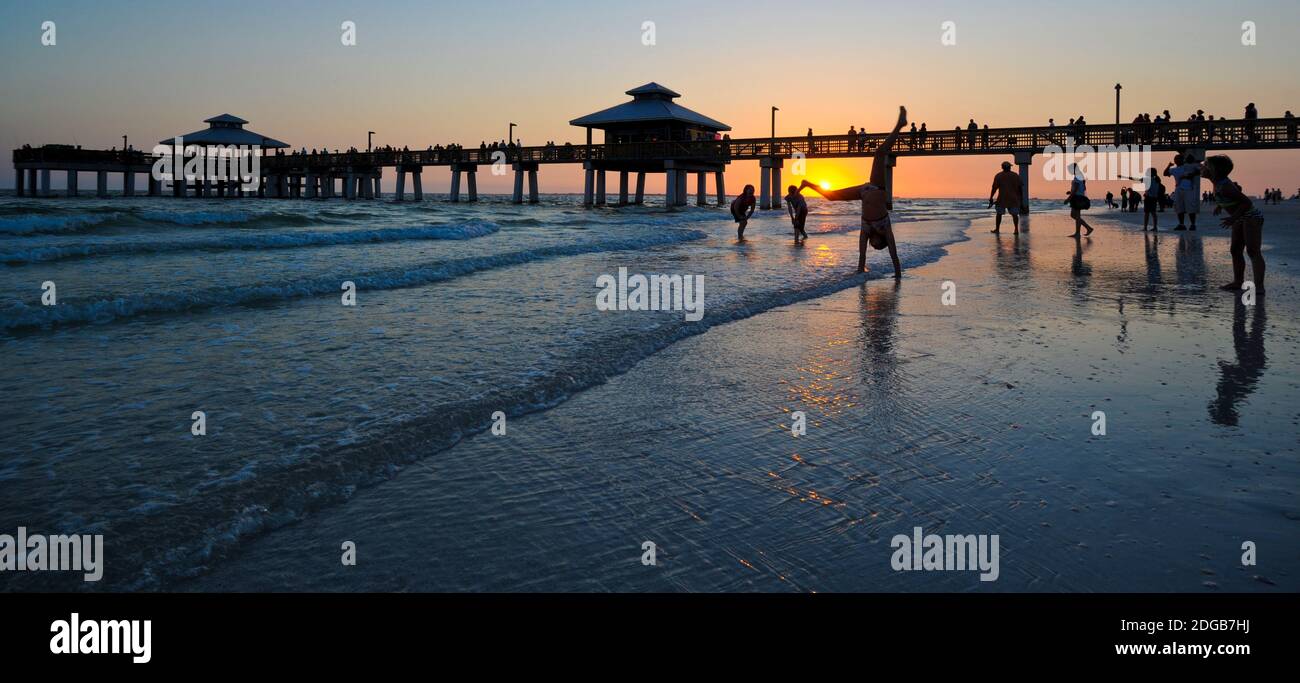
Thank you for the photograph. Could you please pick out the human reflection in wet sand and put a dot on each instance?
(1012, 262)
(1189, 261)
(879, 307)
(1080, 269)
(1152, 251)
(1238, 380)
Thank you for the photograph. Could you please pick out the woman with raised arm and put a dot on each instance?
(876, 228)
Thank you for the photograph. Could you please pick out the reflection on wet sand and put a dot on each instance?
(878, 303)
(1238, 380)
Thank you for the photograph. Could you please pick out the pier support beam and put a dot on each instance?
(518, 196)
(128, 184)
(72, 184)
(720, 188)
(765, 183)
(670, 189)
(1024, 160)
(312, 181)
(640, 188)
(776, 183)
(400, 194)
(101, 183)
(889, 182)
(455, 184)
(622, 188)
(681, 188)
(417, 186)
(31, 183)
(588, 184)
(155, 186)
(532, 186)
(368, 186)
(350, 186)
(471, 180)
(379, 188)
(45, 182)
(701, 182)
(20, 181)
(600, 187)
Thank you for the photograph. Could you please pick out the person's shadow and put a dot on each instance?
(1238, 380)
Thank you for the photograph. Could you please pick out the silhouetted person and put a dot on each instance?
(1006, 187)
(876, 228)
(1078, 200)
(797, 207)
(1245, 221)
(742, 208)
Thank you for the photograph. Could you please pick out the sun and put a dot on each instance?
(825, 185)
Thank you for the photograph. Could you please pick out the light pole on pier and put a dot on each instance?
(772, 143)
(369, 134)
(510, 136)
(123, 143)
(1118, 87)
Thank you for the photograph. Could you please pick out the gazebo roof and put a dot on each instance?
(650, 102)
(227, 130)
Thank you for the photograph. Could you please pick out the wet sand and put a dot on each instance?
(974, 418)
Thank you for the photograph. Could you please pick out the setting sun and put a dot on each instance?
(825, 185)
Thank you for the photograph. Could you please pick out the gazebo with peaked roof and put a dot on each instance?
(227, 129)
(642, 136)
(651, 116)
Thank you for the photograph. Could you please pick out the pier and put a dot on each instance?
(650, 134)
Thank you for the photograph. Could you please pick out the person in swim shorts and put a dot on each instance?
(742, 208)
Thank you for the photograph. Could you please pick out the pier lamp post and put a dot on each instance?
(1118, 87)
(123, 144)
(772, 142)
(510, 135)
(369, 134)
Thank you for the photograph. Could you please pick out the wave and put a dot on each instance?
(37, 224)
(196, 217)
(22, 315)
(279, 240)
(274, 495)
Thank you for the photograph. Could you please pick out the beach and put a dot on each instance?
(973, 419)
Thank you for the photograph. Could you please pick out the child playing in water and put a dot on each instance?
(797, 206)
(742, 208)
(1245, 221)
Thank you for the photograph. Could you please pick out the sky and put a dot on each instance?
(427, 72)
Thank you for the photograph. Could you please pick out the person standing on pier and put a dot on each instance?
(742, 208)
(876, 228)
(1006, 185)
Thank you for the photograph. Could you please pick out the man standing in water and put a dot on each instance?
(742, 208)
(1006, 185)
(797, 206)
(876, 228)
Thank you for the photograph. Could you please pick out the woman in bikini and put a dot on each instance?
(876, 228)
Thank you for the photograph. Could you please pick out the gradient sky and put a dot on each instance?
(426, 72)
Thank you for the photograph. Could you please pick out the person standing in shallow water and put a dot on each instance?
(1245, 221)
(1006, 185)
(876, 228)
(797, 206)
(742, 208)
(1078, 201)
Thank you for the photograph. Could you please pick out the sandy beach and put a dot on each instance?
(970, 418)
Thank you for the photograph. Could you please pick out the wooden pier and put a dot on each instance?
(320, 175)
